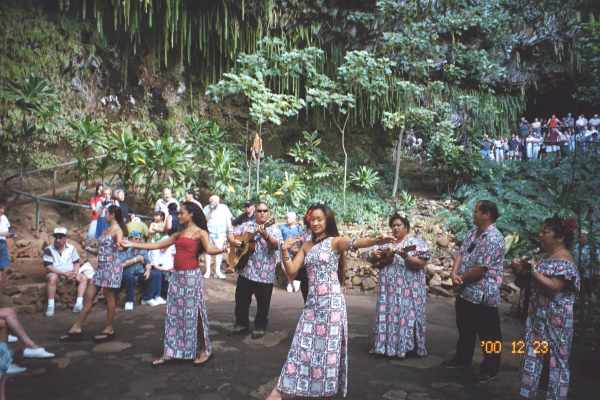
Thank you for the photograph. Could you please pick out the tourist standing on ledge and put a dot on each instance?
(317, 363)
(95, 200)
(292, 229)
(5, 233)
(218, 219)
(402, 295)
(550, 321)
(162, 204)
(108, 277)
(186, 320)
(477, 272)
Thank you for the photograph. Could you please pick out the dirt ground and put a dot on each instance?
(243, 368)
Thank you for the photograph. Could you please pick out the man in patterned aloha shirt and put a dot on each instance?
(477, 273)
(258, 276)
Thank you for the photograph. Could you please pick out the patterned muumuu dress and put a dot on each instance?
(317, 363)
(401, 304)
(549, 330)
(185, 304)
(110, 271)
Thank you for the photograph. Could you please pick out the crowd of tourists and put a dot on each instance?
(164, 257)
(541, 138)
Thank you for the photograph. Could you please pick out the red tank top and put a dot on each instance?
(186, 254)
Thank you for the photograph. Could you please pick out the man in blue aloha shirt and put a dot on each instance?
(258, 275)
(477, 273)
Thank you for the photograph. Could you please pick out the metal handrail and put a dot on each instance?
(38, 199)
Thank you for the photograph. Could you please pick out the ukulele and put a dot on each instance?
(386, 258)
(238, 256)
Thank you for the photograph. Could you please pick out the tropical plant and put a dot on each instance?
(392, 122)
(85, 138)
(364, 178)
(30, 126)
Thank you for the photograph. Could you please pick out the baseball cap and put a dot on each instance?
(248, 204)
(60, 231)
(135, 234)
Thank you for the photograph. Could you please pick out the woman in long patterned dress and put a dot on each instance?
(549, 327)
(186, 320)
(402, 295)
(107, 277)
(317, 363)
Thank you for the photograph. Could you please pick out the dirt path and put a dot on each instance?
(243, 368)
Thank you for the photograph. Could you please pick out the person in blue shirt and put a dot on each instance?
(292, 229)
(134, 271)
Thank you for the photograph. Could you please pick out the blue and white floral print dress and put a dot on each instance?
(317, 363)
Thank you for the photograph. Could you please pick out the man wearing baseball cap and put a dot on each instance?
(62, 262)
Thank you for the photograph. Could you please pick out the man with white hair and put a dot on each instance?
(62, 262)
(291, 229)
(218, 220)
(162, 204)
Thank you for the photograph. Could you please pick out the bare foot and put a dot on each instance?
(275, 395)
(202, 358)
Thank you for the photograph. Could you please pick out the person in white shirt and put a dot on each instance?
(5, 233)
(62, 261)
(189, 196)
(163, 261)
(162, 204)
(218, 218)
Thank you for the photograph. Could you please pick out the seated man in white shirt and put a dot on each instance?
(62, 261)
(163, 261)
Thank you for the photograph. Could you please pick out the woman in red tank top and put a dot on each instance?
(186, 316)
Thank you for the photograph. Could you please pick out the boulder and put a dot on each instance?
(435, 280)
(443, 242)
(440, 291)
(356, 281)
(433, 269)
(447, 282)
(369, 283)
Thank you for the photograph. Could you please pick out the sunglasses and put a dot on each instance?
(262, 210)
(60, 236)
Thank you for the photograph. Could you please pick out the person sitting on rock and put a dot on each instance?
(62, 262)
(134, 262)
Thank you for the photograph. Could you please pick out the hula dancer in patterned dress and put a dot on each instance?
(402, 295)
(317, 363)
(549, 327)
(107, 277)
(186, 321)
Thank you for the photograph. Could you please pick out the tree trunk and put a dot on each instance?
(248, 164)
(397, 171)
(345, 165)
(258, 162)
(78, 187)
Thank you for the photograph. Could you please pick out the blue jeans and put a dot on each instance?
(134, 274)
(4, 257)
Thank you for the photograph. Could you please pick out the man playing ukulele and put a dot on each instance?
(257, 276)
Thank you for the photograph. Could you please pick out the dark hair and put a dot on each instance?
(402, 218)
(198, 216)
(98, 186)
(489, 207)
(564, 228)
(307, 215)
(331, 230)
(161, 213)
(116, 211)
(172, 207)
(259, 202)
